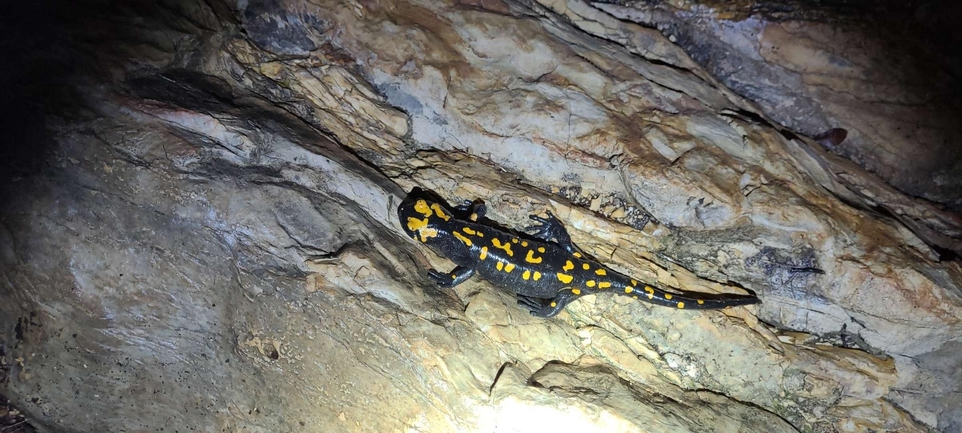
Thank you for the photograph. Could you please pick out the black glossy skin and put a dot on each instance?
(546, 275)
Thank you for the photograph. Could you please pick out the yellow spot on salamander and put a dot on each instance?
(514, 240)
(524, 243)
(428, 233)
(629, 290)
(634, 283)
(536, 276)
(590, 283)
(565, 278)
(681, 305)
(601, 272)
(541, 250)
(473, 217)
(700, 302)
(526, 275)
(667, 295)
(585, 266)
(651, 292)
(568, 266)
(530, 258)
(439, 212)
(576, 291)
(500, 265)
(420, 226)
(505, 246)
(469, 231)
(577, 254)
(636, 297)
(422, 208)
(509, 267)
(462, 238)
(554, 304)
(454, 277)
(415, 224)
(604, 285)
(484, 253)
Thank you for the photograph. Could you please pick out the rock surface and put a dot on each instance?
(202, 237)
(876, 69)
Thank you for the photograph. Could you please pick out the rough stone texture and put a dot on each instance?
(877, 69)
(202, 236)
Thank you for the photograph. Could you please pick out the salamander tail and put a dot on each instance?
(687, 300)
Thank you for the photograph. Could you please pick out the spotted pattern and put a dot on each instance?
(422, 208)
(462, 238)
(416, 224)
(504, 246)
(439, 212)
(428, 233)
(420, 225)
(575, 276)
(530, 258)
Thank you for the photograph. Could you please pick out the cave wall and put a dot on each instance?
(880, 70)
(198, 229)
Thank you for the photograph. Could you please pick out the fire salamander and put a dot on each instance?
(545, 269)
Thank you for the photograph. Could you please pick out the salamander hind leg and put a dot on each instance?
(551, 228)
(459, 275)
(546, 308)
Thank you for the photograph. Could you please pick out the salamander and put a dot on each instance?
(544, 269)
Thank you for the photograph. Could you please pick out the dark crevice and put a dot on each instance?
(945, 254)
(497, 376)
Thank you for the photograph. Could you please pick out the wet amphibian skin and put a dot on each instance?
(545, 269)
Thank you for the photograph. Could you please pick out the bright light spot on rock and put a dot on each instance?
(516, 416)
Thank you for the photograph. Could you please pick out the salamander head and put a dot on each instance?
(421, 217)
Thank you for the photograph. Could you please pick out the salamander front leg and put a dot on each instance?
(472, 210)
(459, 275)
(551, 228)
(547, 307)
